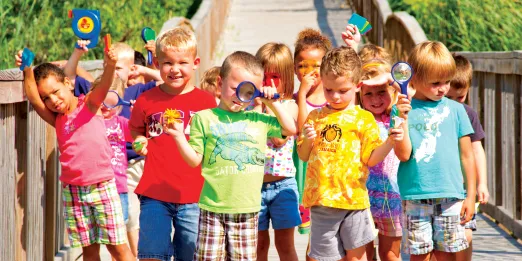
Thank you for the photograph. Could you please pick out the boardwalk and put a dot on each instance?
(252, 23)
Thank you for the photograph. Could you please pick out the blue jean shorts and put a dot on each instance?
(158, 219)
(279, 203)
(432, 224)
(124, 199)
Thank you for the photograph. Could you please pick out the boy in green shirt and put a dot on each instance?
(230, 144)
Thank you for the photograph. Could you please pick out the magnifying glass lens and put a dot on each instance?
(246, 92)
(401, 72)
(111, 100)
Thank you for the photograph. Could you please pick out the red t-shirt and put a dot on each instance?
(166, 176)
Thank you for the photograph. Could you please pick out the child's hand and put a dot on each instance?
(174, 129)
(83, 45)
(395, 134)
(132, 105)
(135, 71)
(140, 145)
(404, 106)
(352, 36)
(309, 132)
(467, 211)
(483, 193)
(308, 82)
(151, 47)
(112, 58)
(268, 93)
(18, 58)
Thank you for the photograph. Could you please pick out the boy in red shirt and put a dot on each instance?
(169, 189)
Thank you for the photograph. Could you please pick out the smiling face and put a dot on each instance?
(56, 95)
(228, 86)
(176, 67)
(376, 99)
(339, 91)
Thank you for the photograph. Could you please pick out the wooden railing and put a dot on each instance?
(31, 219)
(496, 94)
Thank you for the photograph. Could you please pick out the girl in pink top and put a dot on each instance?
(118, 134)
(92, 207)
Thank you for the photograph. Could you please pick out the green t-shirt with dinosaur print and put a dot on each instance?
(233, 147)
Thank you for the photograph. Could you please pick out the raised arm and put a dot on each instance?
(72, 64)
(95, 98)
(148, 74)
(284, 117)
(306, 145)
(34, 97)
(403, 147)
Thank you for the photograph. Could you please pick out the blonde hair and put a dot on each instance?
(311, 39)
(277, 57)
(209, 80)
(463, 73)
(117, 85)
(342, 61)
(243, 60)
(180, 37)
(372, 69)
(124, 51)
(372, 51)
(429, 59)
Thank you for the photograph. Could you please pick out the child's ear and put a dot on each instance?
(155, 62)
(219, 83)
(196, 63)
(68, 83)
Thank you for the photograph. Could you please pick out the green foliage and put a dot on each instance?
(45, 28)
(468, 25)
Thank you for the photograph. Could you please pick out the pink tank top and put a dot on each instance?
(85, 153)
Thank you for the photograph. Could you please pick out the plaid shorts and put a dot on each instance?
(227, 236)
(93, 214)
(389, 227)
(432, 224)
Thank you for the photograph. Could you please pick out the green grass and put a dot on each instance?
(468, 25)
(44, 27)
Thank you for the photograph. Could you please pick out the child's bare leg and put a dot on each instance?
(370, 250)
(284, 242)
(389, 248)
(467, 253)
(425, 257)
(263, 244)
(356, 254)
(120, 252)
(444, 256)
(132, 235)
(91, 253)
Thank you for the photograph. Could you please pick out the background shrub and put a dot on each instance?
(45, 28)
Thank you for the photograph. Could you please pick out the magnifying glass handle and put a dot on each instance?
(404, 88)
(276, 95)
(149, 60)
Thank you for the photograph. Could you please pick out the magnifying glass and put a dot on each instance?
(401, 73)
(113, 99)
(246, 91)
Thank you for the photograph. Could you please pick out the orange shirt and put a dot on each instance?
(337, 170)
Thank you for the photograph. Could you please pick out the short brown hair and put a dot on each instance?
(243, 60)
(209, 80)
(372, 51)
(311, 38)
(342, 61)
(277, 57)
(180, 37)
(463, 74)
(431, 58)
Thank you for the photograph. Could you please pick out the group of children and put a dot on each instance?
(209, 172)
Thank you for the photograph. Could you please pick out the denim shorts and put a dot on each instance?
(124, 198)
(158, 219)
(279, 203)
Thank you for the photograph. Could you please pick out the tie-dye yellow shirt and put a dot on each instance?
(337, 167)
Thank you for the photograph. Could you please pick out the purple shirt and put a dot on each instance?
(118, 133)
(475, 123)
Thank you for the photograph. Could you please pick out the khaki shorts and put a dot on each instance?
(134, 172)
(335, 230)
